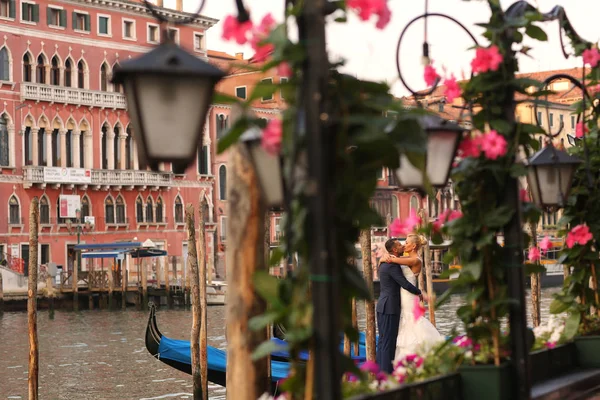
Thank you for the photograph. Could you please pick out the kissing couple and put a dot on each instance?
(399, 333)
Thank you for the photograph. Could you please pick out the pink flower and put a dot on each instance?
(233, 29)
(470, 147)
(351, 377)
(579, 235)
(430, 75)
(524, 196)
(370, 367)
(385, 15)
(486, 59)
(368, 8)
(399, 374)
(545, 244)
(591, 57)
(550, 345)
(534, 254)
(493, 145)
(399, 228)
(381, 377)
(418, 309)
(284, 70)
(262, 31)
(452, 89)
(436, 226)
(581, 129)
(463, 341)
(272, 135)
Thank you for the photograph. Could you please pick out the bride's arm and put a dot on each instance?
(404, 260)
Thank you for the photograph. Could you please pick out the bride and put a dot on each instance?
(412, 335)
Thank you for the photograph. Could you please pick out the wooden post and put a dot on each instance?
(535, 287)
(365, 247)
(429, 277)
(247, 379)
(203, 302)
(75, 278)
(167, 281)
(50, 294)
(124, 267)
(187, 277)
(144, 284)
(269, 328)
(174, 266)
(421, 277)
(32, 378)
(1, 295)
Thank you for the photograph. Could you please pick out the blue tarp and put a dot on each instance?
(108, 246)
(362, 353)
(179, 350)
(102, 254)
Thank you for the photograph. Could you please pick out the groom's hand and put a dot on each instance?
(423, 296)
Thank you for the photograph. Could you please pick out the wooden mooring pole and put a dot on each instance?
(429, 281)
(123, 266)
(246, 379)
(536, 290)
(75, 278)
(365, 247)
(50, 294)
(203, 302)
(32, 377)
(269, 327)
(167, 281)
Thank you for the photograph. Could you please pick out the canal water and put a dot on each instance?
(101, 355)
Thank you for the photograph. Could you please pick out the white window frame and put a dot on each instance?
(81, 12)
(282, 80)
(98, 16)
(7, 18)
(151, 25)
(383, 174)
(177, 35)
(124, 21)
(57, 8)
(202, 48)
(24, 21)
(262, 99)
(239, 87)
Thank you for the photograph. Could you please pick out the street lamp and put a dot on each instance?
(268, 168)
(168, 94)
(550, 176)
(443, 138)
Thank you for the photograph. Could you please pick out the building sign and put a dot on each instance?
(67, 175)
(88, 219)
(69, 204)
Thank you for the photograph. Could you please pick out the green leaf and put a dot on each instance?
(232, 135)
(222, 98)
(266, 348)
(356, 282)
(267, 286)
(535, 32)
(572, 325)
(262, 89)
(534, 269)
(261, 321)
(474, 268)
(558, 307)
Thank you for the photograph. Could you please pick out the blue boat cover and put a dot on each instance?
(179, 350)
(362, 352)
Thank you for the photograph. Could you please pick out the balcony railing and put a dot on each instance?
(66, 95)
(102, 177)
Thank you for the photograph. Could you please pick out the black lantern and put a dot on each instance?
(168, 95)
(443, 138)
(550, 176)
(268, 168)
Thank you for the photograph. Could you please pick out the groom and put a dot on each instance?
(391, 279)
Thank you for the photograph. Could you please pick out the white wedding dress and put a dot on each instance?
(413, 335)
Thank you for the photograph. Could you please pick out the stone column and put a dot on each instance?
(75, 143)
(49, 147)
(34, 145)
(110, 150)
(63, 147)
(122, 144)
(136, 162)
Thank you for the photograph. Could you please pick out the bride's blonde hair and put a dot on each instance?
(418, 240)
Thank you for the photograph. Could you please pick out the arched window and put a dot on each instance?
(28, 146)
(14, 210)
(149, 209)
(221, 122)
(178, 210)
(117, 147)
(44, 211)
(55, 72)
(4, 65)
(55, 148)
(4, 145)
(104, 77)
(139, 210)
(59, 219)
(85, 207)
(395, 211)
(109, 210)
(104, 147)
(26, 68)
(69, 145)
(41, 69)
(81, 75)
(159, 210)
(129, 150)
(83, 138)
(414, 204)
(222, 182)
(117, 86)
(120, 210)
(68, 72)
(42, 147)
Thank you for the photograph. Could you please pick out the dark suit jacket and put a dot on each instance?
(391, 279)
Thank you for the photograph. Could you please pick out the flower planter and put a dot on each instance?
(550, 363)
(588, 351)
(487, 382)
(445, 387)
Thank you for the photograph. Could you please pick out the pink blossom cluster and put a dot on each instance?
(418, 309)
(581, 129)
(591, 57)
(411, 361)
(272, 136)
(399, 227)
(244, 32)
(367, 8)
(535, 253)
(492, 144)
(486, 59)
(579, 235)
(524, 196)
(465, 342)
(445, 217)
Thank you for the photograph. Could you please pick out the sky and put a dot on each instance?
(371, 53)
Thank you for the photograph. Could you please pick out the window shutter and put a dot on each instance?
(74, 20)
(23, 10)
(36, 13)
(87, 23)
(11, 9)
(49, 15)
(63, 18)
